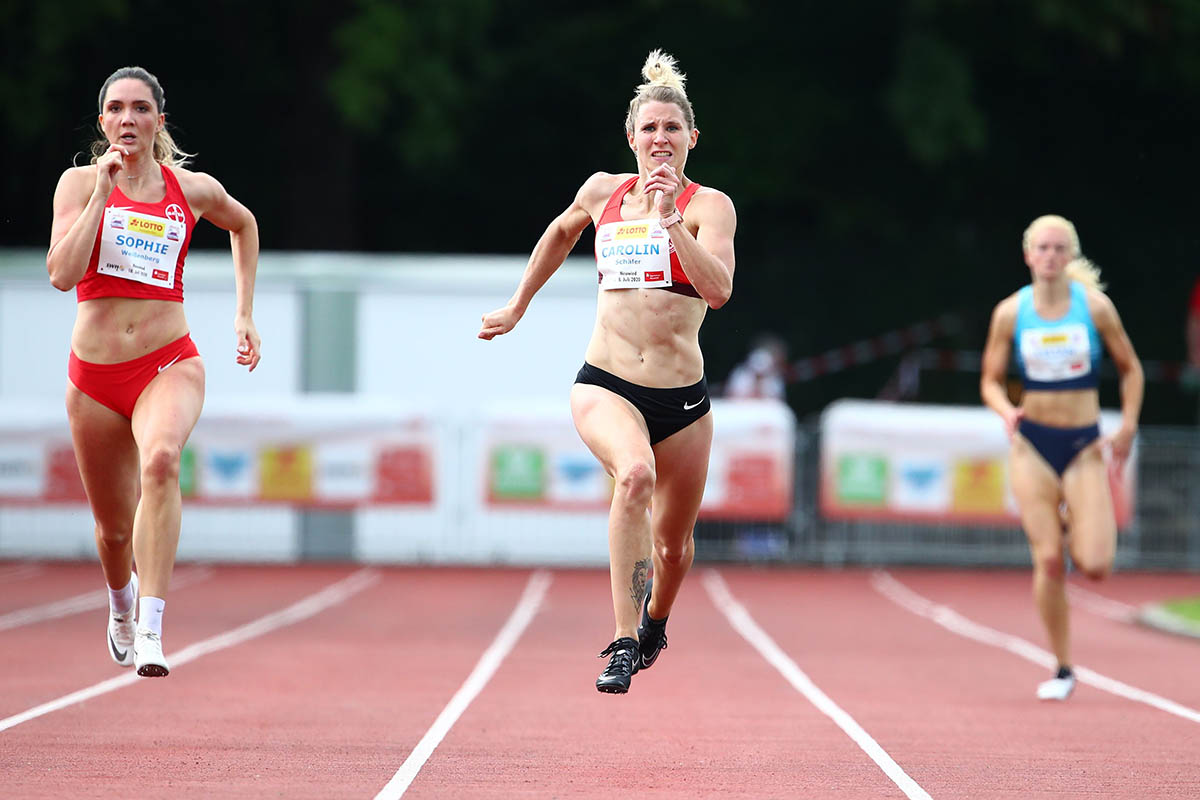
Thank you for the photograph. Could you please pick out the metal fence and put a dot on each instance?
(1165, 532)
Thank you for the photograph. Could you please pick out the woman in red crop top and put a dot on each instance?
(119, 237)
(664, 252)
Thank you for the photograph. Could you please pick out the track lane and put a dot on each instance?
(325, 708)
(711, 719)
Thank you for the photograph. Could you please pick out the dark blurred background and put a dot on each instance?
(884, 157)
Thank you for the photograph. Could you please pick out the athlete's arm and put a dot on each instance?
(548, 254)
(707, 257)
(995, 364)
(79, 202)
(1132, 380)
(209, 200)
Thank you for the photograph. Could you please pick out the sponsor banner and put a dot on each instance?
(909, 462)
(533, 457)
(325, 454)
(22, 469)
(227, 472)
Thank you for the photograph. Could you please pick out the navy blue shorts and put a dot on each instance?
(1058, 446)
(666, 411)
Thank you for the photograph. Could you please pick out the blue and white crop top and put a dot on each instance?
(1057, 354)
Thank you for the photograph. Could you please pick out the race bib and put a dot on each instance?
(140, 247)
(1056, 354)
(633, 254)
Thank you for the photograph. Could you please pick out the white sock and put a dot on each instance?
(150, 611)
(121, 600)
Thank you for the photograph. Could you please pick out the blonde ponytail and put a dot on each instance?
(664, 84)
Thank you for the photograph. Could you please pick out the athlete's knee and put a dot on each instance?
(636, 482)
(1049, 562)
(675, 554)
(160, 464)
(114, 534)
(1093, 566)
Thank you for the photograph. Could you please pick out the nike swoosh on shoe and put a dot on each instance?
(117, 654)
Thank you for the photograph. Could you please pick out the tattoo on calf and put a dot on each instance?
(637, 589)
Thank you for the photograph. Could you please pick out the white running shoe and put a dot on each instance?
(1056, 688)
(149, 655)
(121, 628)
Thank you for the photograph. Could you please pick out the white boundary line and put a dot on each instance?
(88, 601)
(489, 662)
(19, 572)
(741, 621)
(308, 607)
(952, 621)
(1100, 605)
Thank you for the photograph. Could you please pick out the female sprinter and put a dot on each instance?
(120, 234)
(1057, 325)
(664, 250)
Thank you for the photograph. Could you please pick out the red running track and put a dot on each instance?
(332, 702)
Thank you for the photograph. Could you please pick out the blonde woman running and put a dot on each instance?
(1057, 325)
(664, 251)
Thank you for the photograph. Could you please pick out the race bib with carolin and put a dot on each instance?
(633, 254)
(1056, 354)
(140, 247)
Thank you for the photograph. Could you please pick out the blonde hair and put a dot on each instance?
(1079, 269)
(166, 151)
(664, 84)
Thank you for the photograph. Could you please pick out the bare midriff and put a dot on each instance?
(649, 337)
(109, 330)
(1074, 408)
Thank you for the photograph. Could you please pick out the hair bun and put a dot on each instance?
(659, 70)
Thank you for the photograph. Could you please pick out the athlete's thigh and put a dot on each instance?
(1038, 493)
(682, 470)
(167, 409)
(610, 426)
(1089, 499)
(107, 457)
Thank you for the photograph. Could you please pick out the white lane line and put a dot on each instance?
(88, 601)
(951, 620)
(744, 624)
(297, 612)
(489, 662)
(1100, 605)
(19, 572)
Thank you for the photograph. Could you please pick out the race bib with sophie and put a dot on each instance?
(140, 247)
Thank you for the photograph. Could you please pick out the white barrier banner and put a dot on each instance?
(316, 452)
(905, 462)
(533, 458)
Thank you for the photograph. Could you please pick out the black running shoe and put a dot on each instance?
(622, 664)
(652, 634)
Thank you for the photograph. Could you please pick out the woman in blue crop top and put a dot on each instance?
(664, 253)
(1056, 326)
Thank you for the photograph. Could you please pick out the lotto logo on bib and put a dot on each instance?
(639, 231)
(146, 226)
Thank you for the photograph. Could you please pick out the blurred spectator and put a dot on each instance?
(763, 373)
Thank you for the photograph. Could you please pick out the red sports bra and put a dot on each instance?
(612, 213)
(140, 247)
